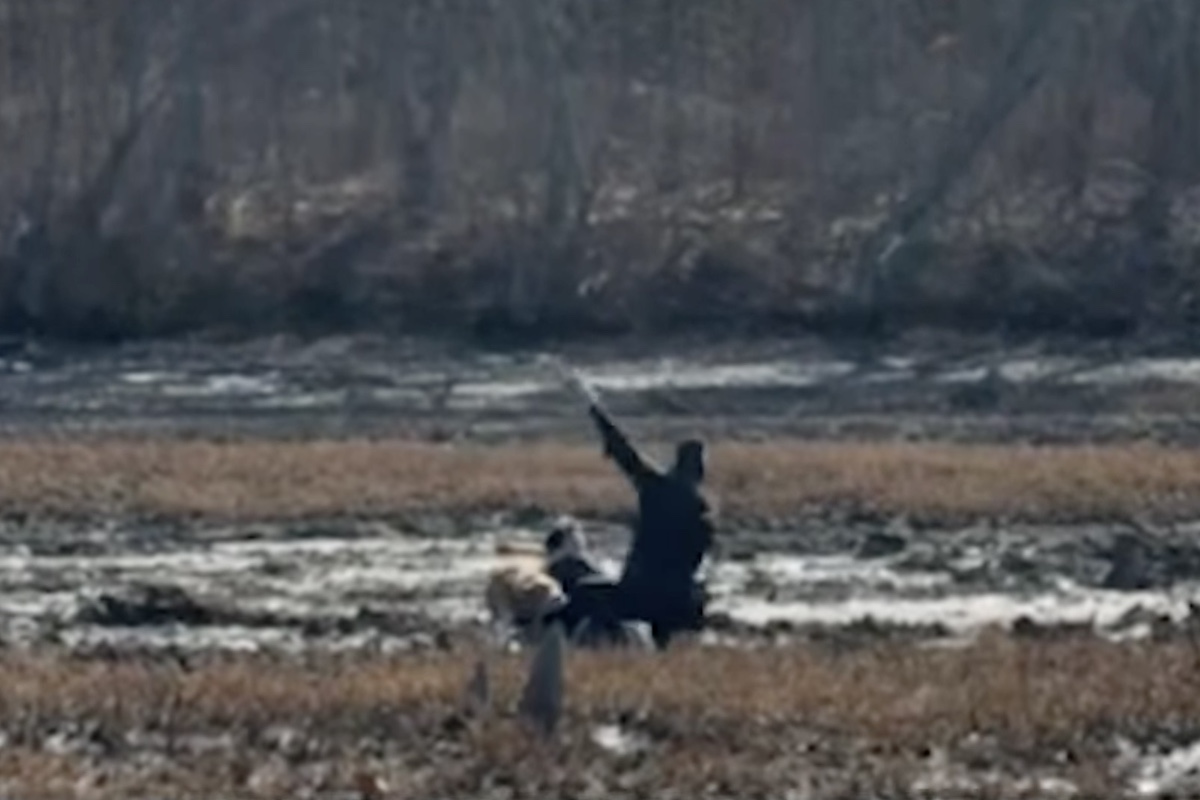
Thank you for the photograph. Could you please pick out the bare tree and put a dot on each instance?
(568, 157)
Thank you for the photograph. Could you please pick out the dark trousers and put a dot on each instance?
(606, 604)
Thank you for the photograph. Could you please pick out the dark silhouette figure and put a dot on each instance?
(673, 533)
(566, 556)
(589, 591)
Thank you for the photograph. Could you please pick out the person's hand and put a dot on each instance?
(583, 389)
(573, 381)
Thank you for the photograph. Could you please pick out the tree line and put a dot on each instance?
(575, 166)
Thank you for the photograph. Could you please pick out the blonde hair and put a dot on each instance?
(520, 592)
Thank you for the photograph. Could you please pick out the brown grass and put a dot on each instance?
(751, 722)
(256, 480)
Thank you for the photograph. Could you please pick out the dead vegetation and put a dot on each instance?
(742, 723)
(242, 481)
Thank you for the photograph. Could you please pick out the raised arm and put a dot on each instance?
(618, 448)
(616, 444)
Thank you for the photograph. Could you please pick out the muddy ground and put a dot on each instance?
(412, 583)
(362, 386)
(387, 587)
(380, 582)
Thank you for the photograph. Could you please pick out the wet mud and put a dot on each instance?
(389, 588)
(413, 583)
(178, 588)
(372, 387)
(406, 583)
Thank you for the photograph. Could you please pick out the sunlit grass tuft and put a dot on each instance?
(255, 480)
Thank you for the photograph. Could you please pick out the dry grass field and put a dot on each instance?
(703, 722)
(772, 480)
(1004, 715)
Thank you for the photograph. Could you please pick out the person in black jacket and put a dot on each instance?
(566, 555)
(590, 613)
(673, 533)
